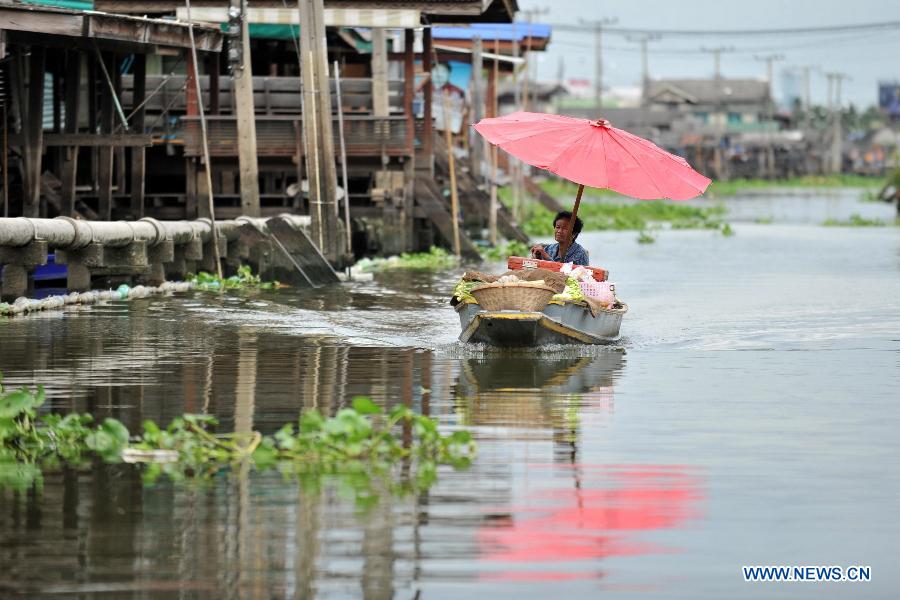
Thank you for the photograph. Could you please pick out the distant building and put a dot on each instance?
(889, 98)
(723, 104)
(791, 89)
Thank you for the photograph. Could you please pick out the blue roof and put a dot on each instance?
(505, 32)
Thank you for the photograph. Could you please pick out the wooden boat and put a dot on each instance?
(557, 323)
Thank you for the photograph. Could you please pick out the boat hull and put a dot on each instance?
(556, 324)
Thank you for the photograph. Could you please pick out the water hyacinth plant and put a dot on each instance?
(362, 442)
(243, 279)
(503, 250)
(436, 259)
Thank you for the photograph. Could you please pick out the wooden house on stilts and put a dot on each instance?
(269, 92)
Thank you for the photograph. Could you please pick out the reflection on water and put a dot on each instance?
(558, 534)
(657, 468)
(260, 534)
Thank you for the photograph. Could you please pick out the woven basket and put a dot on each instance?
(513, 296)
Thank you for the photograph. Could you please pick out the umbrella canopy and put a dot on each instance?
(595, 154)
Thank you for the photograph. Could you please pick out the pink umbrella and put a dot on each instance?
(596, 154)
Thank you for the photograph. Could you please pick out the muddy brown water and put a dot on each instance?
(748, 416)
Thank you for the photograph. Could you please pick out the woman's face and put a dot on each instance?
(559, 229)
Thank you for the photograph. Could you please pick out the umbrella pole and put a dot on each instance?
(564, 245)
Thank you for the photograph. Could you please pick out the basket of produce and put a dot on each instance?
(522, 295)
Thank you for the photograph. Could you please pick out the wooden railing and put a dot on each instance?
(271, 95)
(282, 136)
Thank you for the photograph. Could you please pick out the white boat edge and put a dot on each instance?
(570, 323)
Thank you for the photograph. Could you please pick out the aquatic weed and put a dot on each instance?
(362, 443)
(855, 220)
(243, 279)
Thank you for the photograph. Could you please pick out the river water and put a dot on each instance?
(748, 416)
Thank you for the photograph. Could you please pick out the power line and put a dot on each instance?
(746, 50)
(598, 26)
(884, 25)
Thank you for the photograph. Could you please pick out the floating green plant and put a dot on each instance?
(633, 216)
(855, 220)
(436, 259)
(30, 442)
(364, 443)
(243, 279)
(503, 250)
(645, 237)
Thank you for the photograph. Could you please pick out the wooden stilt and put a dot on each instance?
(246, 123)
(337, 88)
(105, 153)
(428, 92)
(93, 120)
(213, 70)
(492, 112)
(119, 151)
(454, 200)
(35, 131)
(210, 203)
(409, 80)
(138, 154)
(70, 154)
(318, 127)
(476, 142)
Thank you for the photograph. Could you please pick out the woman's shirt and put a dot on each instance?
(575, 254)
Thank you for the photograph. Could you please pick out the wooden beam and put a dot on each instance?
(214, 67)
(19, 18)
(317, 127)
(105, 154)
(191, 194)
(138, 155)
(118, 151)
(89, 140)
(70, 156)
(107, 28)
(476, 142)
(246, 124)
(380, 104)
(93, 117)
(34, 127)
(409, 82)
(155, 32)
(428, 92)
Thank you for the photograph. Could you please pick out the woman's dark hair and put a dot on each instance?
(567, 215)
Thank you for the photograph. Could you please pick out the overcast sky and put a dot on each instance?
(867, 57)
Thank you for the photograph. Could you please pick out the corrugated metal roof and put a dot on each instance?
(504, 32)
(711, 91)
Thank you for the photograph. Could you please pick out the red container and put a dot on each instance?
(517, 263)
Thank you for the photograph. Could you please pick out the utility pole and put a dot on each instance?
(643, 39)
(529, 15)
(769, 60)
(239, 62)
(717, 58)
(807, 95)
(834, 103)
(598, 55)
(770, 112)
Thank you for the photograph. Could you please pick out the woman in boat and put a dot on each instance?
(575, 254)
